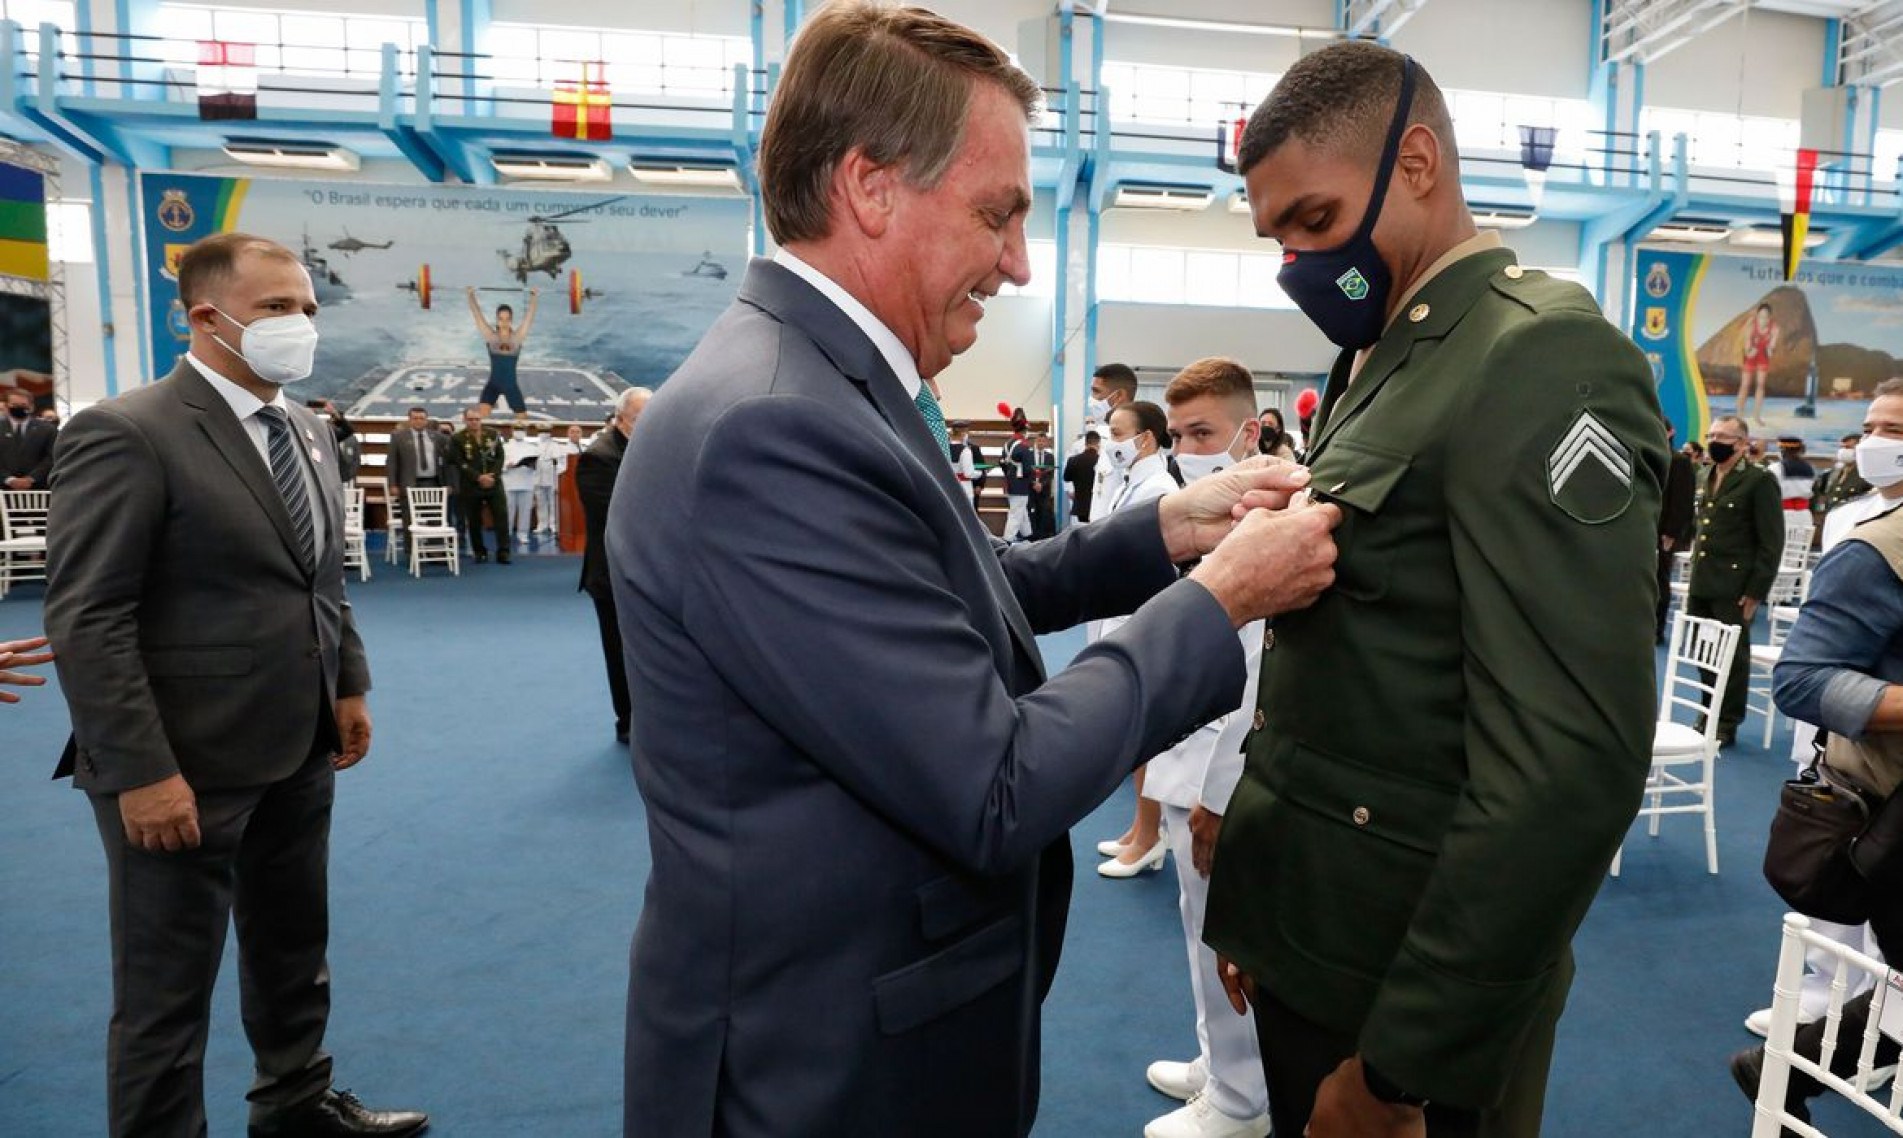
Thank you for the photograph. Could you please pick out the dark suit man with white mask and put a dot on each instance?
(858, 778)
(195, 598)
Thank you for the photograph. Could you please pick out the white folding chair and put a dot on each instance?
(1788, 591)
(22, 536)
(392, 516)
(431, 538)
(1769, 1118)
(1684, 754)
(1681, 580)
(355, 555)
(1798, 530)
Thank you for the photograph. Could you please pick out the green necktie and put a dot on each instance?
(927, 404)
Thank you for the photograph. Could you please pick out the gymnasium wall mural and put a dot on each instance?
(626, 283)
(1727, 334)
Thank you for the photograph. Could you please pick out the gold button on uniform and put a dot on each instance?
(1514, 272)
(1361, 815)
(1260, 721)
(1418, 313)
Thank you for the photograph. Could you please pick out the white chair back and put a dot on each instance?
(1685, 739)
(429, 506)
(1769, 1118)
(1797, 539)
(22, 536)
(430, 536)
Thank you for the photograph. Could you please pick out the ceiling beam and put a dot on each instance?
(1645, 31)
(1870, 51)
(1378, 17)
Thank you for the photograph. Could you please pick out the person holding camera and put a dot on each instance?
(1842, 669)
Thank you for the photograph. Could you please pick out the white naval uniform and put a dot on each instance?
(1145, 481)
(518, 482)
(1204, 770)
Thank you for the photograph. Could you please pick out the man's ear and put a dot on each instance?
(1418, 163)
(868, 190)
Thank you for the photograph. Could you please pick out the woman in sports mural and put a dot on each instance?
(1760, 340)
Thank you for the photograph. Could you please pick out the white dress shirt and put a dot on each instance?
(896, 356)
(246, 406)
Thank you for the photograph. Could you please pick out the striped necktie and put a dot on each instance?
(290, 480)
(927, 404)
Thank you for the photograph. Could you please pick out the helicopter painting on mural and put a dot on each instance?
(544, 249)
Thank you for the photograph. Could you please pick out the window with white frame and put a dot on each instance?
(1716, 140)
(1491, 121)
(30, 14)
(69, 231)
(1887, 153)
(1043, 258)
(1182, 96)
(1216, 278)
(326, 44)
(636, 62)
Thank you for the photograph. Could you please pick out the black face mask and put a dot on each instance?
(19, 412)
(1345, 290)
(1721, 453)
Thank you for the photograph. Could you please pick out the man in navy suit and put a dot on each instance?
(857, 776)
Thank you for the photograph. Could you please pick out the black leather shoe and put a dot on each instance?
(504, 557)
(1747, 1070)
(482, 555)
(337, 1114)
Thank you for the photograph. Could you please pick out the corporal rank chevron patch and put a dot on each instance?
(1589, 472)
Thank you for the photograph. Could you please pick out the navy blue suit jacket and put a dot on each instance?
(857, 776)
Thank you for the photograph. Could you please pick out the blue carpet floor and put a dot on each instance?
(487, 867)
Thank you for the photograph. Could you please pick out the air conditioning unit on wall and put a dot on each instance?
(552, 167)
(289, 155)
(1188, 198)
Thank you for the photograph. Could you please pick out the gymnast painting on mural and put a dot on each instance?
(504, 341)
(1760, 341)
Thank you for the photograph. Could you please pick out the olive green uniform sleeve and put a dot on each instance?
(1556, 624)
(1767, 518)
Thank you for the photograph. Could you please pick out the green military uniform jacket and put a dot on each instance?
(1450, 744)
(476, 453)
(1836, 486)
(1740, 537)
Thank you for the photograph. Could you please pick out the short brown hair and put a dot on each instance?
(211, 261)
(1342, 99)
(895, 83)
(1222, 378)
(1890, 386)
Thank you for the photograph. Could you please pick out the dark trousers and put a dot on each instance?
(1726, 609)
(1298, 1053)
(611, 656)
(262, 864)
(474, 498)
(1043, 518)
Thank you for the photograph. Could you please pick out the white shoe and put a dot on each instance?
(1151, 861)
(1758, 1023)
(1182, 1081)
(1198, 1119)
(1111, 847)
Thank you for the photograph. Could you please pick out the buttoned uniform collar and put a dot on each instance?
(890, 347)
(243, 404)
(1480, 242)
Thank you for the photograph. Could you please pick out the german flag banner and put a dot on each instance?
(584, 110)
(227, 80)
(1797, 222)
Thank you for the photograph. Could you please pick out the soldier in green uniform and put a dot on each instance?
(476, 452)
(1841, 482)
(1735, 552)
(1451, 743)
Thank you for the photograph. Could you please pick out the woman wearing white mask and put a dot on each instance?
(1134, 452)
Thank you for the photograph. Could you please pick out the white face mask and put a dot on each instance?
(1846, 456)
(279, 349)
(1098, 409)
(1880, 461)
(1122, 452)
(1196, 466)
